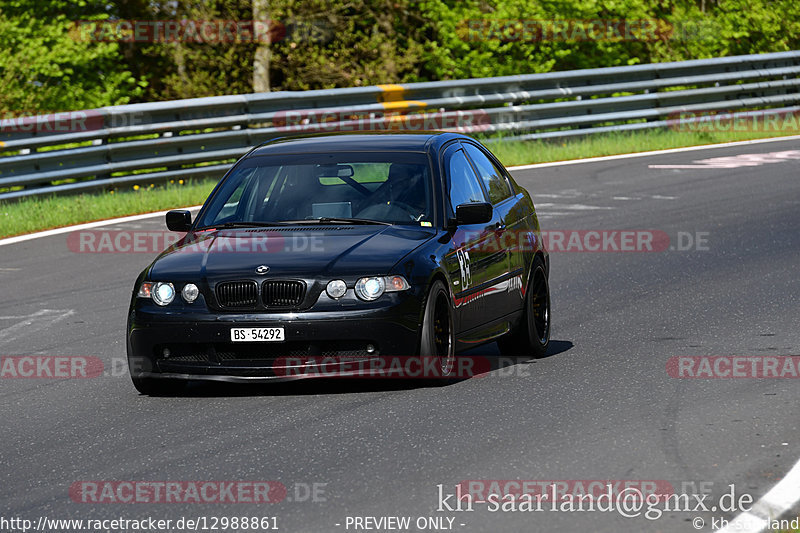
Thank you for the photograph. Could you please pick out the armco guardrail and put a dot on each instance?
(154, 142)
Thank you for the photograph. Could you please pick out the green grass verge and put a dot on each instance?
(40, 213)
(36, 214)
(523, 153)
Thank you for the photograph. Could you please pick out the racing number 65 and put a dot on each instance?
(463, 265)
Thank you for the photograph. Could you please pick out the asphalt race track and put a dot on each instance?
(601, 406)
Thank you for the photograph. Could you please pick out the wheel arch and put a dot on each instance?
(545, 260)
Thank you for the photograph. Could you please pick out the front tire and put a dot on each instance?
(438, 334)
(532, 335)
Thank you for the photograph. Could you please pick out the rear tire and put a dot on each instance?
(438, 334)
(532, 336)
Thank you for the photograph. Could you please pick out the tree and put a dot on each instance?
(347, 44)
(261, 74)
(47, 65)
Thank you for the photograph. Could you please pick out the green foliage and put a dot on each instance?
(44, 67)
(349, 43)
(396, 41)
(730, 27)
(469, 41)
(182, 68)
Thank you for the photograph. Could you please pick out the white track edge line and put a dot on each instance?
(771, 506)
(87, 225)
(654, 152)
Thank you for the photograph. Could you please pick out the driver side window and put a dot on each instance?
(463, 183)
(494, 180)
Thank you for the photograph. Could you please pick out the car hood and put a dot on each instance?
(300, 251)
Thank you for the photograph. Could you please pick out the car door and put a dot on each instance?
(475, 260)
(509, 225)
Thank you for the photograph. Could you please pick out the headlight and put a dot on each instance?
(371, 288)
(336, 289)
(190, 292)
(163, 293)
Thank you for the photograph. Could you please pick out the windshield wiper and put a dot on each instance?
(242, 224)
(328, 220)
(336, 220)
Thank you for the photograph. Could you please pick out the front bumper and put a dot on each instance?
(195, 344)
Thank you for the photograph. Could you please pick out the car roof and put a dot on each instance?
(399, 141)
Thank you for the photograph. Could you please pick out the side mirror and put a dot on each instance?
(476, 213)
(179, 220)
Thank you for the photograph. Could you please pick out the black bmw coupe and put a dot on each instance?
(328, 249)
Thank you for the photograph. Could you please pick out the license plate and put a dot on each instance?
(257, 335)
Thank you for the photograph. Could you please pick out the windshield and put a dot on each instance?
(387, 187)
